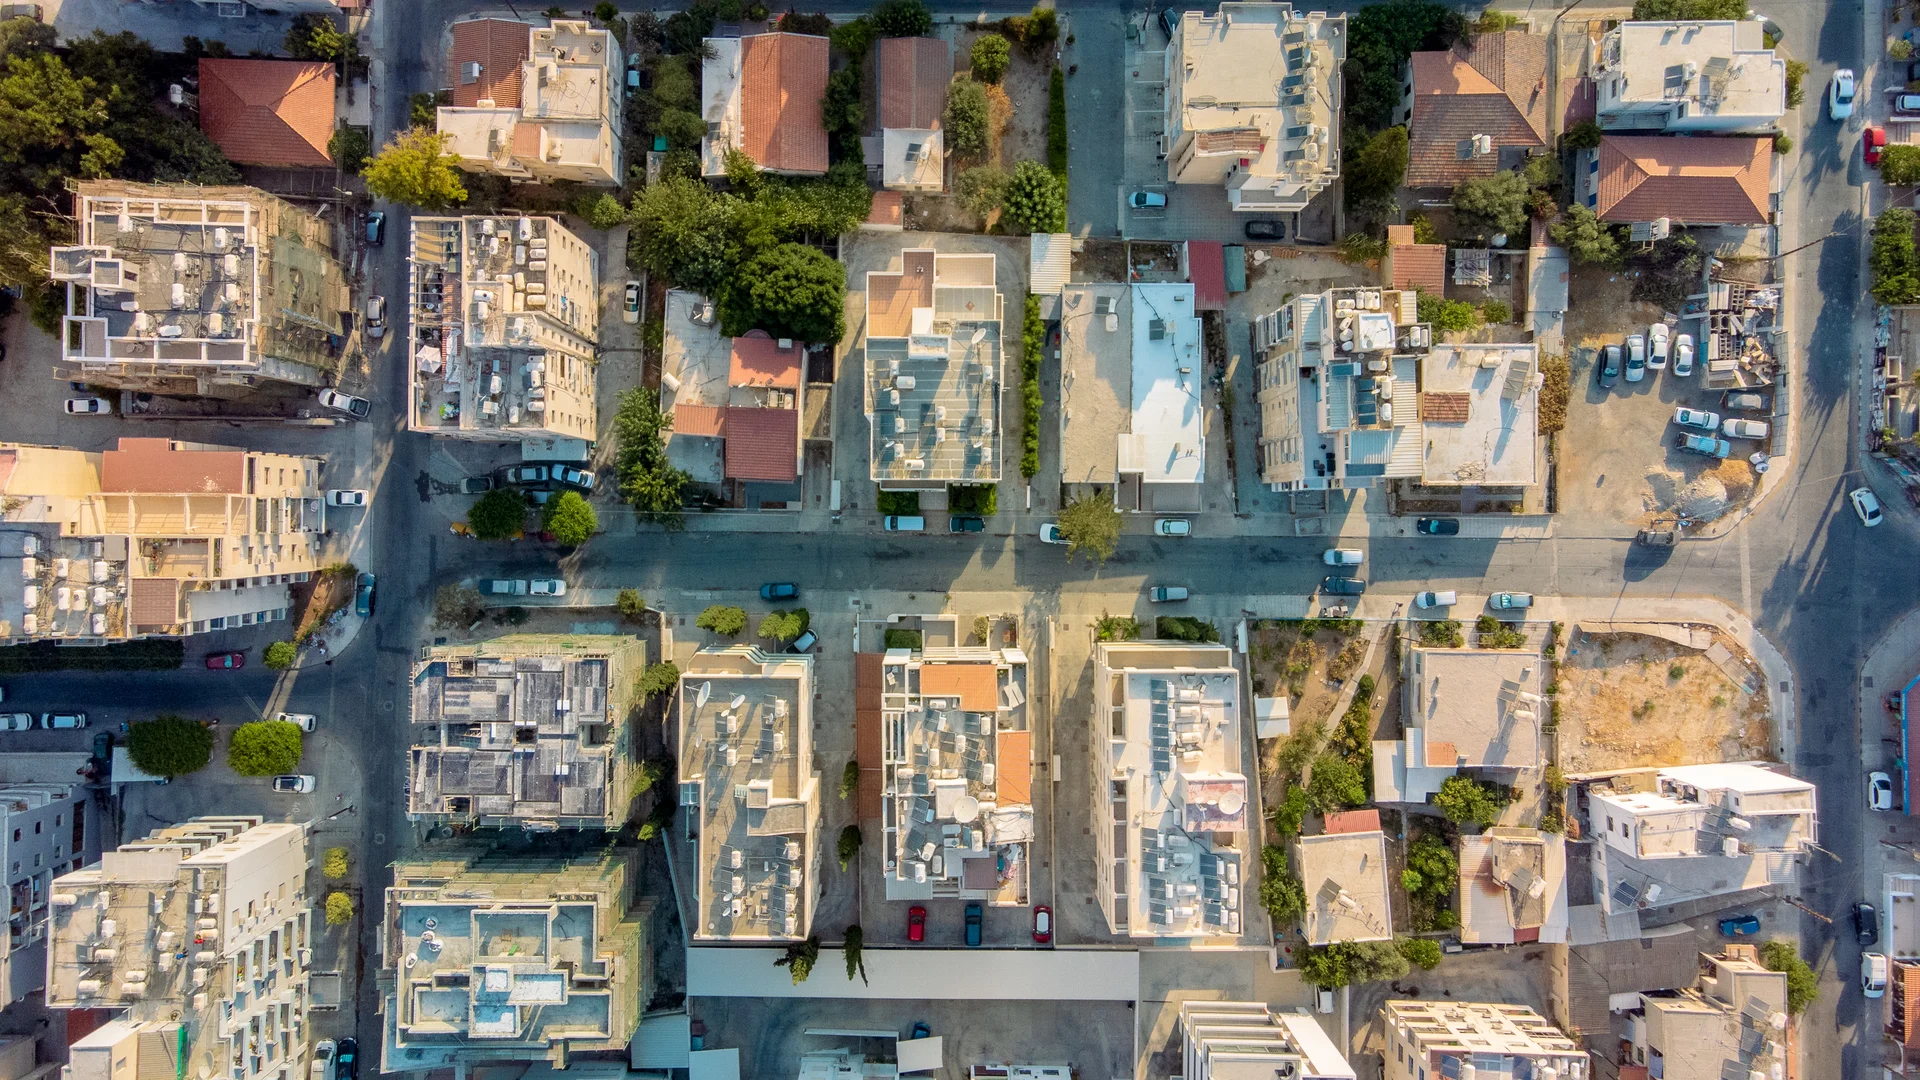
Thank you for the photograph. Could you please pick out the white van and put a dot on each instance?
(904, 523)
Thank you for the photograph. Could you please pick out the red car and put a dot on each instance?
(1872, 142)
(1042, 924)
(916, 923)
(227, 661)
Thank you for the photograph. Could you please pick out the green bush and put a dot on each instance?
(499, 514)
(1796, 75)
(981, 189)
(280, 655)
(1492, 204)
(1280, 894)
(1782, 143)
(1377, 167)
(349, 147)
(1185, 628)
(1900, 165)
(1033, 343)
(570, 519)
(1042, 29)
(1585, 135)
(333, 864)
(1346, 962)
(1444, 314)
(1035, 199)
(1689, 10)
(1292, 811)
(853, 37)
(1442, 634)
(967, 118)
(1586, 238)
(170, 745)
(1335, 784)
(721, 619)
(990, 57)
(1117, 628)
(1423, 953)
(1057, 124)
(264, 748)
(156, 654)
(1495, 312)
(784, 626)
(849, 780)
(855, 949)
(902, 639)
(339, 908)
(981, 499)
(630, 604)
(902, 18)
(800, 958)
(1891, 260)
(606, 212)
(659, 679)
(1803, 986)
(898, 503)
(1466, 801)
(848, 845)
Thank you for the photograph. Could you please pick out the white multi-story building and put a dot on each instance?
(44, 830)
(1477, 709)
(1245, 1040)
(1252, 103)
(1171, 814)
(1427, 1040)
(560, 120)
(1716, 77)
(933, 370)
(199, 937)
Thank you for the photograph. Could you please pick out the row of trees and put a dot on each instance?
(171, 745)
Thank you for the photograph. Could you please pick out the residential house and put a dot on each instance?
(269, 112)
(1706, 76)
(1238, 1040)
(1444, 1038)
(44, 830)
(933, 370)
(1731, 1023)
(1344, 872)
(1700, 180)
(1413, 266)
(1513, 887)
(542, 104)
(1130, 401)
(760, 95)
(1480, 413)
(1475, 109)
(1252, 104)
(207, 291)
(1477, 709)
(736, 405)
(914, 75)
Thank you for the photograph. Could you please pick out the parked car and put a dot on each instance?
(1867, 505)
(503, 587)
(570, 476)
(1744, 400)
(920, 1030)
(1607, 371)
(1873, 145)
(1879, 791)
(1169, 18)
(1744, 429)
(16, 721)
(1740, 925)
(356, 407)
(363, 597)
(1840, 94)
(294, 784)
(1173, 527)
(916, 923)
(227, 661)
(547, 586)
(89, 406)
(1636, 358)
(1266, 230)
(905, 523)
(1866, 924)
(524, 475)
(1659, 338)
(346, 1064)
(347, 497)
(1510, 601)
(64, 721)
(1050, 534)
(20, 11)
(1042, 924)
(1695, 418)
(1147, 200)
(804, 643)
(1873, 974)
(1907, 104)
(779, 590)
(975, 919)
(320, 1064)
(1705, 445)
(1161, 594)
(1437, 526)
(1683, 355)
(305, 721)
(476, 485)
(1659, 536)
(1342, 586)
(630, 304)
(376, 316)
(1343, 557)
(377, 228)
(1431, 599)
(966, 523)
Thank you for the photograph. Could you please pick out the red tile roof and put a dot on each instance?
(762, 444)
(499, 46)
(268, 112)
(977, 685)
(1697, 180)
(153, 466)
(782, 78)
(1494, 85)
(1903, 1020)
(758, 360)
(1418, 266)
(914, 73)
(698, 420)
(1446, 406)
(1207, 269)
(155, 601)
(1353, 821)
(889, 208)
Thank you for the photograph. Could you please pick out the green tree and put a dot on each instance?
(1376, 168)
(792, 291)
(1796, 79)
(902, 18)
(264, 748)
(723, 620)
(967, 118)
(1432, 868)
(1292, 811)
(1445, 314)
(1034, 199)
(333, 863)
(1689, 10)
(498, 515)
(1335, 784)
(1042, 30)
(784, 626)
(21, 36)
(981, 189)
(1492, 204)
(570, 518)
(1466, 801)
(649, 775)
(1380, 37)
(51, 124)
(605, 212)
(1585, 135)
(848, 845)
(169, 745)
(1803, 986)
(1117, 628)
(630, 604)
(648, 481)
(1900, 165)
(313, 36)
(1586, 237)
(853, 37)
(1282, 896)
(1347, 962)
(349, 147)
(1423, 953)
(990, 57)
(849, 780)
(800, 958)
(856, 963)
(280, 655)
(339, 908)
(841, 112)
(415, 170)
(659, 679)
(1090, 523)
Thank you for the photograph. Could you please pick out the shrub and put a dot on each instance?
(1432, 867)
(990, 57)
(1042, 30)
(1117, 628)
(1185, 628)
(784, 626)
(264, 748)
(901, 503)
(1891, 261)
(1585, 135)
(849, 780)
(721, 619)
(967, 118)
(162, 654)
(649, 775)
(1467, 801)
(659, 679)
(856, 940)
(901, 639)
(902, 18)
(1899, 49)
(339, 908)
(848, 845)
(349, 147)
(630, 604)
(456, 605)
(1442, 634)
(1280, 894)
(1344, 962)
(1033, 343)
(1495, 312)
(605, 212)
(1444, 314)
(981, 499)
(1688, 10)
(981, 189)
(1900, 165)
(817, 24)
(1492, 204)
(333, 863)
(1292, 810)
(570, 519)
(1335, 784)
(1803, 986)
(1796, 74)
(170, 745)
(1057, 124)
(499, 514)
(1378, 167)
(982, 629)
(1556, 388)
(280, 655)
(853, 37)
(1782, 143)
(1423, 953)
(800, 958)
(1034, 199)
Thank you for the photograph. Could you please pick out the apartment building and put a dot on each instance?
(1252, 104)
(1732, 1022)
(1240, 1040)
(1171, 815)
(44, 830)
(956, 771)
(526, 730)
(208, 291)
(1343, 872)
(750, 793)
(1426, 1040)
(198, 938)
(1478, 709)
(500, 956)
(933, 370)
(155, 538)
(1900, 943)
(1130, 405)
(556, 116)
(1513, 887)
(504, 323)
(760, 96)
(1706, 76)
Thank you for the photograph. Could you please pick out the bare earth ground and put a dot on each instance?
(1620, 707)
(1018, 131)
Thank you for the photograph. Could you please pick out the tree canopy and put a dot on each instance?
(990, 57)
(1586, 237)
(1346, 962)
(415, 170)
(659, 679)
(1492, 204)
(722, 619)
(1467, 801)
(264, 748)
(1034, 199)
(1380, 37)
(1376, 168)
(498, 514)
(170, 745)
(790, 291)
(1803, 986)
(967, 118)
(902, 18)
(1090, 523)
(1335, 784)
(648, 481)
(570, 518)
(784, 626)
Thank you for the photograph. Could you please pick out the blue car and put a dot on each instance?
(779, 590)
(974, 916)
(363, 597)
(1740, 925)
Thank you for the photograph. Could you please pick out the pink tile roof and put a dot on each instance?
(762, 444)
(914, 73)
(155, 601)
(154, 466)
(1495, 85)
(782, 79)
(1699, 180)
(499, 45)
(1207, 269)
(268, 112)
(758, 360)
(889, 208)
(1353, 821)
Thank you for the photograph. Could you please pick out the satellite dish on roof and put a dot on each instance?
(1231, 802)
(706, 691)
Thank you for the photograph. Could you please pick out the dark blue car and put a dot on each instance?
(363, 597)
(779, 590)
(974, 916)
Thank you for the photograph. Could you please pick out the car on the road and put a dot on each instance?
(1873, 145)
(1879, 791)
(1343, 557)
(1696, 418)
(916, 923)
(1659, 339)
(1266, 230)
(1042, 924)
(1510, 601)
(1437, 526)
(294, 784)
(503, 587)
(1147, 200)
(305, 721)
(1050, 534)
(16, 721)
(1840, 94)
(376, 316)
(363, 597)
(920, 1030)
(1162, 594)
(1636, 358)
(347, 497)
(803, 643)
(1744, 429)
(1907, 104)
(547, 586)
(1705, 445)
(1342, 586)
(975, 920)
(1683, 355)
(89, 406)
(1433, 599)
(1607, 371)
(357, 407)
(1867, 505)
(20, 11)
(526, 474)
(227, 661)
(571, 476)
(1173, 527)
(63, 721)
(774, 591)
(346, 1065)
(1740, 925)
(966, 523)
(630, 303)
(1873, 974)
(320, 1065)
(377, 228)
(1866, 923)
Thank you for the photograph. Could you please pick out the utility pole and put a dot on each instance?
(1808, 910)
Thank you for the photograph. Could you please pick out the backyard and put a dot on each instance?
(1310, 663)
(1633, 701)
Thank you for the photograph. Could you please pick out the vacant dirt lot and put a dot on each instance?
(1627, 701)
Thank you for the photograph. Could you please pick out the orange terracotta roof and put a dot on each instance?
(891, 298)
(763, 444)
(1441, 755)
(1698, 180)
(758, 360)
(976, 685)
(498, 46)
(1493, 85)
(1418, 266)
(868, 677)
(1446, 406)
(526, 140)
(698, 420)
(1013, 779)
(155, 601)
(153, 466)
(782, 79)
(1906, 993)
(1353, 821)
(914, 73)
(268, 112)
(1243, 140)
(889, 208)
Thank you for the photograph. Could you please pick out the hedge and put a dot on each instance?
(150, 655)
(1033, 342)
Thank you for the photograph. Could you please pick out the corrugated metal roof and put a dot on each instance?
(1049, 262)
(1207, 269)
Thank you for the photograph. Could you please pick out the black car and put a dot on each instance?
(476, 485)
(1608, 369)
(1437, 526)
(1266, 230)
(346, 1062)
(1342, 586)
(966, 523)
(1866, 924)
(1169, 18)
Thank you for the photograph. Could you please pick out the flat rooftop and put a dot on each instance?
(1513, 887)
(1479, 708)
(1165, 442)
(1480, 414)
(500, 973)
(1096, 380)
(1260, 76)
(1714, 67)
(1345, 877)
(934, 369)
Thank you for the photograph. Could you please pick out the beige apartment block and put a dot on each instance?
(155, 538)
(933, 370)
(1426, 1040)
(45, 829)
(1463, 708)
(1343, 872)
(498, 957)
(504, 321)
(527, 730)
(1731, 1022)
(560, 120)
(1706, 76)
(210, 291)
(1252, 104)
(750, 793)
(198, 937)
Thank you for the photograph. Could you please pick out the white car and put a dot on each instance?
(63, 721)
(1344, 557)
(1147, 200)
(376, 316)
(1172, 527)
(1879, 791)
(294, 784)
(1840, 94)
(1696, 418)
(547, 587)
(321, 1065)
(1873, 974)
(347, 497)
(1683, 355)
(356, 407)
(305, 721)
(1050, 534)
(1867, 505)
(630, 306)
(89, 406)
(1657, 342)
(1744, 429)
(1430, 599)
(1636, 358)
(16, 721)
